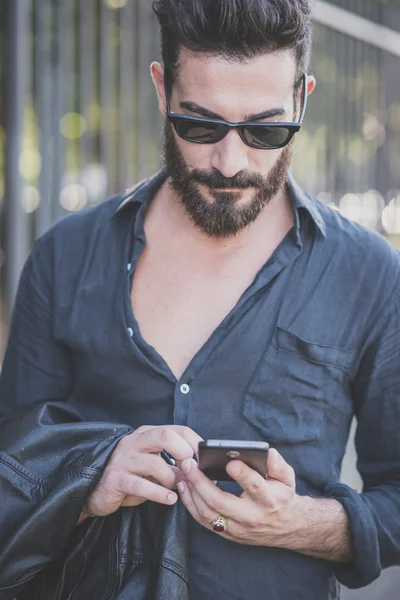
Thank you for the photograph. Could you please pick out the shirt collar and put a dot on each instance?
(141, 192)
(302, 200)
(145, 189)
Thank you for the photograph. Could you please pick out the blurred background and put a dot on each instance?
(79, 121)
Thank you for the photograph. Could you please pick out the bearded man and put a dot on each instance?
(218, 300)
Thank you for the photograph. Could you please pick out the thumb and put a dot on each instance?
(279, 469)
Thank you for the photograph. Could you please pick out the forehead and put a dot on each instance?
(263, 82)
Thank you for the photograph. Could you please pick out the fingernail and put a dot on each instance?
(172, 498)
(187, 465)
(181, 487)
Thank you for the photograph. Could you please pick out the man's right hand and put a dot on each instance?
(136, 472)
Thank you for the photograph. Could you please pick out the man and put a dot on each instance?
(218, 300)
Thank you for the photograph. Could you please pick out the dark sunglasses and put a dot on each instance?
(264, 136)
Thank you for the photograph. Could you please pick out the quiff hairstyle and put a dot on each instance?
(236, 30)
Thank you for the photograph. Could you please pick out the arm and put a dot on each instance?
(269, 512)
(50, 461)
(320, 529)
(358, 533)
(374, 515)
(362, 531)
(36, 367)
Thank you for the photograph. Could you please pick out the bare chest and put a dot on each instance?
(178, 306)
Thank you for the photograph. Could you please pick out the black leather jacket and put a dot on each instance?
(50, 461)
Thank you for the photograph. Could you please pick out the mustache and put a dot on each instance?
(215, 180)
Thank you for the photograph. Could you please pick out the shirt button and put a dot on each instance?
(185, 389)
(128, 267)
(130, 331)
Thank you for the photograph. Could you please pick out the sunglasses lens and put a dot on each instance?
(198, 131)
(207, 132)
(266, 137)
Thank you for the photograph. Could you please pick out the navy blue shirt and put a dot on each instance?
(313, 341)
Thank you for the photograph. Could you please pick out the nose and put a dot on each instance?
(230, 155)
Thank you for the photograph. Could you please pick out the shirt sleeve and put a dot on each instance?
(36, 367)
(375, 513)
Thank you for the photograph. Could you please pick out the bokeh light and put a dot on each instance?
(72, 126)
(73, 197)
(30, 198)
(391, 216)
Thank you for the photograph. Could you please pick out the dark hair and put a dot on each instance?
(234, 29)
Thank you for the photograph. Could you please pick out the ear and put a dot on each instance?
(157, 75)
(311, 84)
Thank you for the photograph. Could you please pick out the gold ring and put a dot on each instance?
(220, 524)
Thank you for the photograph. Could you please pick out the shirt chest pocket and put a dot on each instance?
(294, 387)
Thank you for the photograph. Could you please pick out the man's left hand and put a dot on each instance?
(265, 513)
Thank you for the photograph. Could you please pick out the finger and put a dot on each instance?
(131, 501)
(187, 500)
(180, 476)
(206, 513)
(191, 437)
(248, 479)
(180, 436)
(159, 439)
(219, 501)
(133, 485)
(279, 469)
(203, 514)
(151, 465)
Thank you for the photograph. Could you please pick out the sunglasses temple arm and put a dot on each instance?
(167, 102)
(304, 99)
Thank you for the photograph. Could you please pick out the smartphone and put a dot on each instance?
(214, 455)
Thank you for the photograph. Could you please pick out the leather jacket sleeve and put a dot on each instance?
(50, 461)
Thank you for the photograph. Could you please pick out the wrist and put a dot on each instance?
(295, 523)
(317, 527)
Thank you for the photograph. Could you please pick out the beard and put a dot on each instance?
(222, 217)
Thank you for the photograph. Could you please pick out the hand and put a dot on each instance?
(137, 473)
(265, 513)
